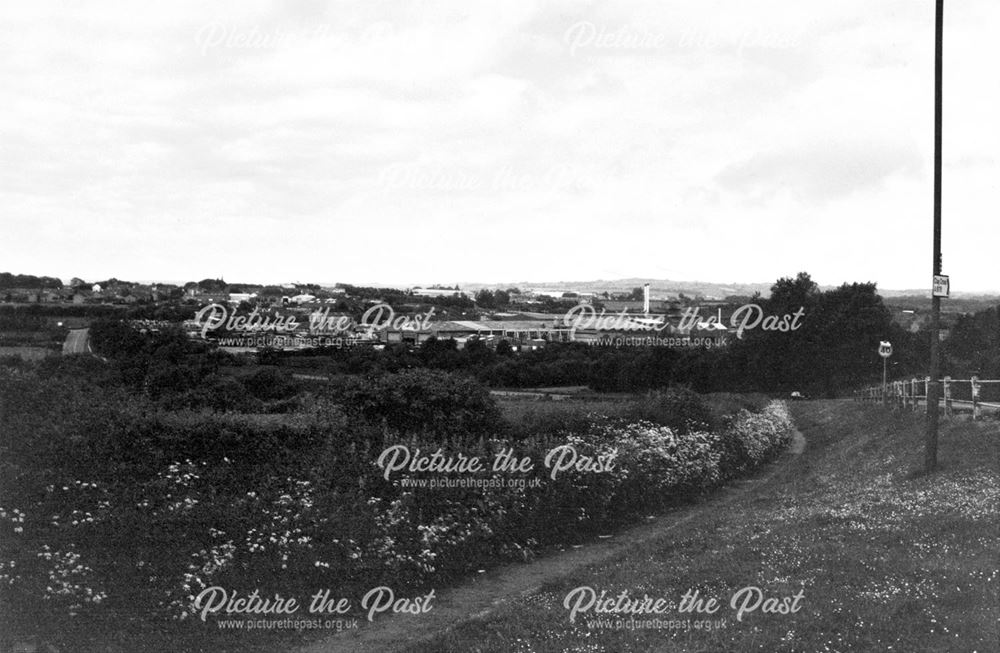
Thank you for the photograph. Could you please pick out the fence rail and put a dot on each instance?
(957, 395)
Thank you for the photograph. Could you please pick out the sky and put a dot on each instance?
(438, 142)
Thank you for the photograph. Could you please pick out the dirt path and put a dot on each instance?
(484, 594)
(77, 342)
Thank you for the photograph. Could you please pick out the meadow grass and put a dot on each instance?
(671, 409)
(886, 558)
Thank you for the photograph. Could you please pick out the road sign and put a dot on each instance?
(885, 349)
(941, 286)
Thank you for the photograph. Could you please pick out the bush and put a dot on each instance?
(752, 438)
(681, 409)
(422, 400)
(105, 493)
(270, 383)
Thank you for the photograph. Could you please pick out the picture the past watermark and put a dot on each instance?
(690, 611)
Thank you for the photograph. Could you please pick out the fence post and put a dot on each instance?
(916, 395)
(927, 399)
(975, 396)
(947, 396)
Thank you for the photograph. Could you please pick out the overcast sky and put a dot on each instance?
(420, 142)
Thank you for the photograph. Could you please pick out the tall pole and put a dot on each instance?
(934, 388)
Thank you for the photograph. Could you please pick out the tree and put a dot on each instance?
(212, 285)
(476, 353)
(788, 294)
(440, 353)
(270, 383)
(974, 344)
(834, 350)
(8, 280)
(417, 400)
(485, 298)
(849, 324)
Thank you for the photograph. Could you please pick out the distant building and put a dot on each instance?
(491, 331)
(213, 297)
(237, 297)
(554, 294)
(637, 306)
(436, 292)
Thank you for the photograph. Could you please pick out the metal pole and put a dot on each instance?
(933, 389)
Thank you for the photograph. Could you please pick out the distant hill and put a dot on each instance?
(667, 287)
(657, 287)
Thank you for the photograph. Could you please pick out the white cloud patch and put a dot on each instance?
(815, 173)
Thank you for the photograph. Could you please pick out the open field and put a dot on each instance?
(27, 352)
(886, 559)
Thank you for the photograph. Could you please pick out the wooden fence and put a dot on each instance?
(957, 395)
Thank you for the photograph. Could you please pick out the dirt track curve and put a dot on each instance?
(482, 595)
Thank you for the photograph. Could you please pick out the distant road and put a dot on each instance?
(77, 342)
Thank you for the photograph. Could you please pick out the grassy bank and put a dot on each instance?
(885, 559)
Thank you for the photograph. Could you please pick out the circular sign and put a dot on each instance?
(885, 349)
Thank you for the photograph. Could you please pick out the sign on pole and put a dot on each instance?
(884, 349)
(941, 287)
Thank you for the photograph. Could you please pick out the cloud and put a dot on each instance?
(824, 171)
(189, 138)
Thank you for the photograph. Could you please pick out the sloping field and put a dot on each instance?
(858, 551)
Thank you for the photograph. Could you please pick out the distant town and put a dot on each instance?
(39, 313)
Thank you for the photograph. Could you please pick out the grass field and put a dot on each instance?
(28, 352)
(885, 558)
(572, 414)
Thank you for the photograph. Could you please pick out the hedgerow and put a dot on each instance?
(113, 511)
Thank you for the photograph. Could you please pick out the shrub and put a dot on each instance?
(752, 438)
(422, 400)
(105, 493)
(681, 409)
(270, 383)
